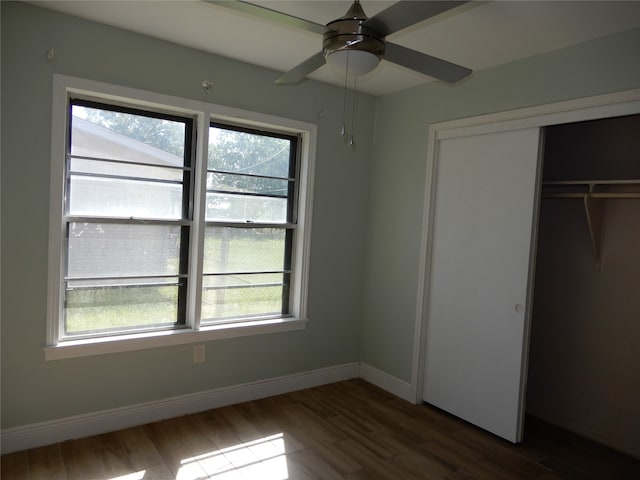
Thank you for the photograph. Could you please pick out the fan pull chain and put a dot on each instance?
(343, 131)
(353, 112)
(345, 105)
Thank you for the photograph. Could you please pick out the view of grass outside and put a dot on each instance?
(102, 309)
(229, 289)
(241, 302)
(233, 295)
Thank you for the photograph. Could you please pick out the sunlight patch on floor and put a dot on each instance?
(131, 476)
(262, 459)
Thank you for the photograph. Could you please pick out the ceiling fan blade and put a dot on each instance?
(423, 63)
(300, 71)
(406, 13)
(269, 14)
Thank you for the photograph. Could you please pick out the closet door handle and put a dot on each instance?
(519, 308)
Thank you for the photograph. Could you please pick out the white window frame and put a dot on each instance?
(65, 86)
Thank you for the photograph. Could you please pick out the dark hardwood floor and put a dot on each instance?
(345, 431)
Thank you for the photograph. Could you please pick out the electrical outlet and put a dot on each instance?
(198, 354)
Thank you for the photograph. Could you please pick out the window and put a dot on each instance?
(172, 221)
(250, 223)
(126, 220)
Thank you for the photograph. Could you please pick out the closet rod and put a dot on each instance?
(610, 195)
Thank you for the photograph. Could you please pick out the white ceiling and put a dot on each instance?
(478, 35)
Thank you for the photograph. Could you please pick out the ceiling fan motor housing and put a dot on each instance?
(348, 33)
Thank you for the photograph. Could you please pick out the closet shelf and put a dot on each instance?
(607, 189)
(593, 194)
(605, 195)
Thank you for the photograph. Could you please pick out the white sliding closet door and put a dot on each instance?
(485, 208)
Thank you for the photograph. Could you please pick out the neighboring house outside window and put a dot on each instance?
(172, 216)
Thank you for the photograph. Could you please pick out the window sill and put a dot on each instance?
(128, 343)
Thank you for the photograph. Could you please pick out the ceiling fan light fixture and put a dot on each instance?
(349, 47)
(353, 62)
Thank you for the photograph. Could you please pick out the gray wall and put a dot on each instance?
(398, 172)
(34, 390)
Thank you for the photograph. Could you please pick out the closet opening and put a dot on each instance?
(584, 359)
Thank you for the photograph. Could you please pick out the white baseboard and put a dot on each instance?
(387, 382)
(78, 426)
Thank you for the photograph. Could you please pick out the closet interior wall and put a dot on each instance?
(584, 359)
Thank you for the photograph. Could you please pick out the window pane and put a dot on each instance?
(100, 308)
(241, 183)
(239, 280)
(124, 170)
(111, 197)
(236, 259)
(232, 296)
(106, 249)
(239, 250)
(248, 153)
(246, 207)
(126, 136)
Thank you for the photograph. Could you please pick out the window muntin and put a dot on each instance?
(251, 179)
(127, 211)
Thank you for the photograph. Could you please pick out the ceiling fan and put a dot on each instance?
(356, 44)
